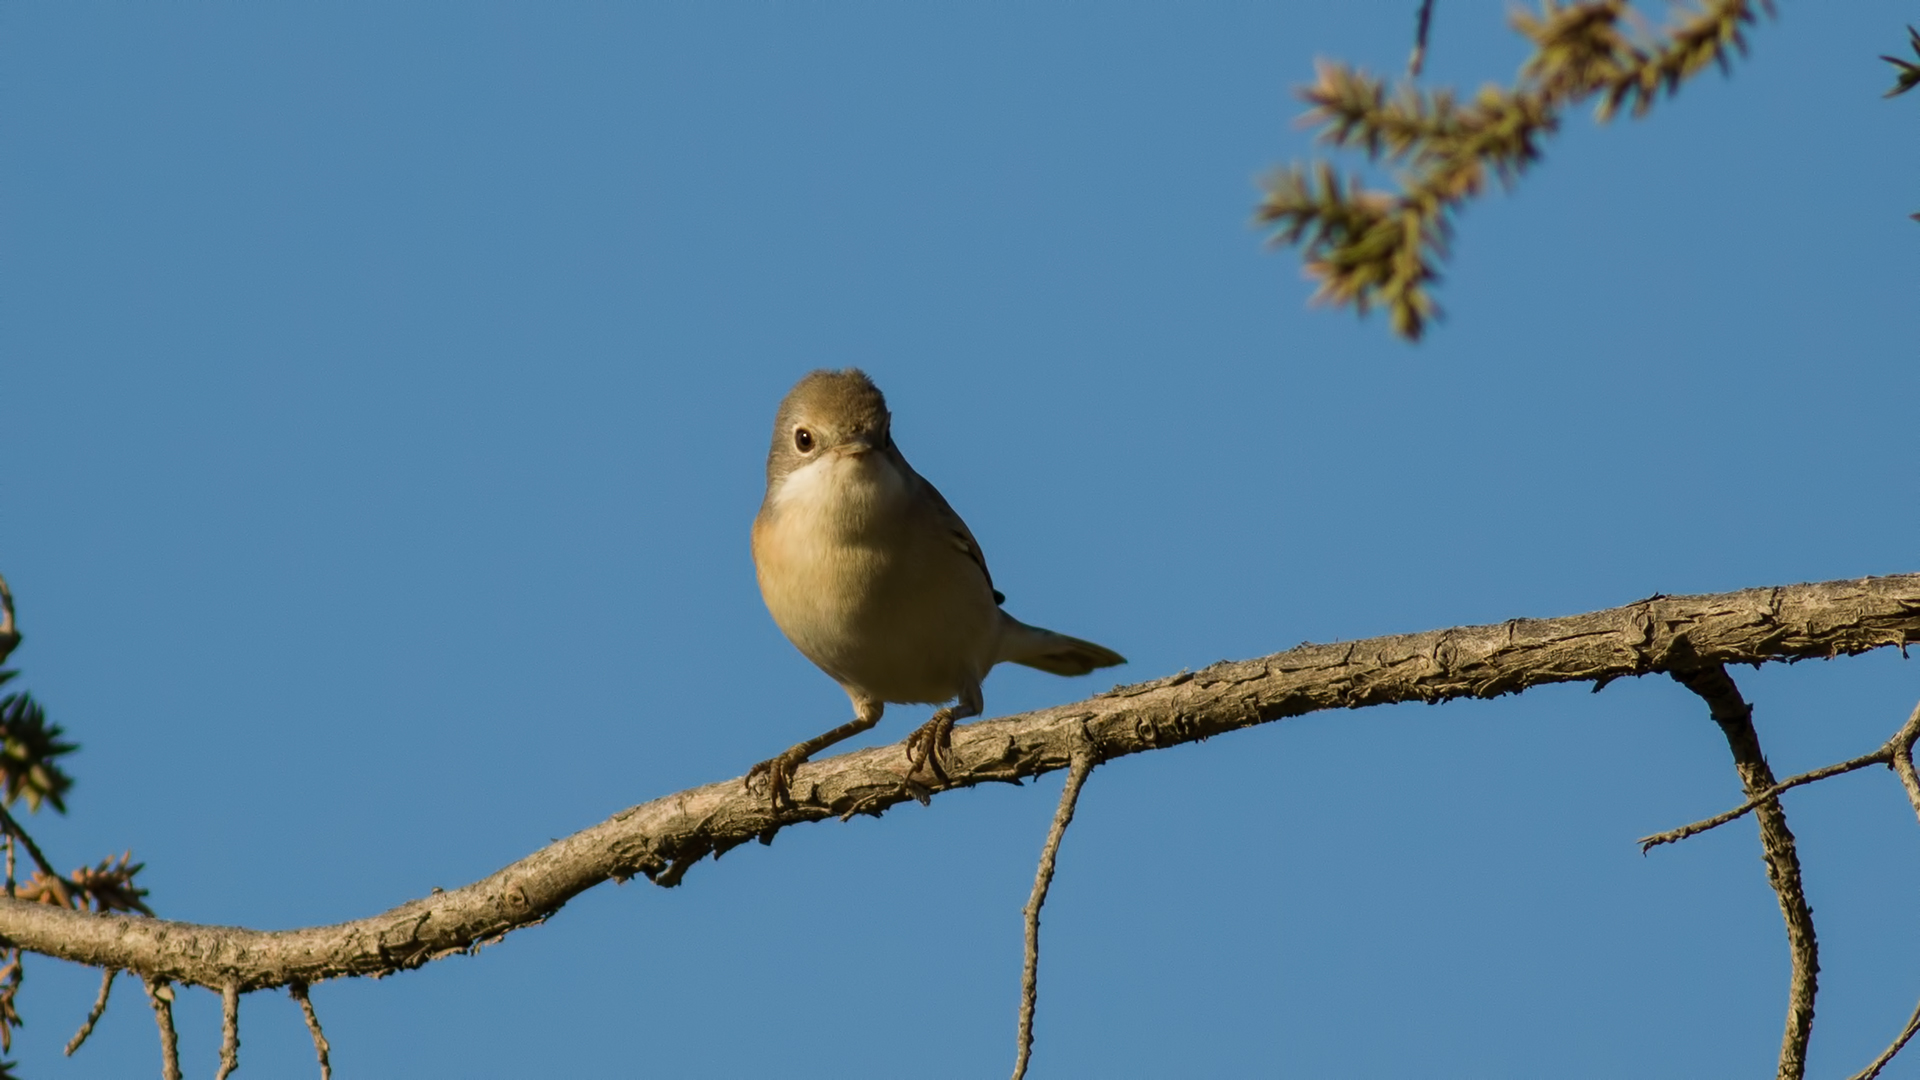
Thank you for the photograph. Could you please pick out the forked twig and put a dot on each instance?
(94, 1014)
(1901, 746)
(1081, 764)
(1735, 718)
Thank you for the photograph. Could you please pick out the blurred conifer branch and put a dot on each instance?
(29, 747)
(31, 773)
(1906, 73)
(1369, 248)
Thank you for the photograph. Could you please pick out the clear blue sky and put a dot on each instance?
(386, 389)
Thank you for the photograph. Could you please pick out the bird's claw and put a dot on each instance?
(779, 774)
(931, 746)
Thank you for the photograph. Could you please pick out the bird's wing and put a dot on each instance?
(958, 532)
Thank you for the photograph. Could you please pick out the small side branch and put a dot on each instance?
(13, 830)
(1419, 58)
(1077, 771)
(94, 1014)
(299, 992)
(160, 994)
(1735, 718)
(1900, 748)
(229, 1031)
(1886, 1056)
(1882, 756)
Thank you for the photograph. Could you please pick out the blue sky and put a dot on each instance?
(386, 392)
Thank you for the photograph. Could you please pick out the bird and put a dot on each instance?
(872, 575)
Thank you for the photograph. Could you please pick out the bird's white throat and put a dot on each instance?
(841, 491)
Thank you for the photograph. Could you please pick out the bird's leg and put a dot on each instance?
(779, 770)
(931, 744)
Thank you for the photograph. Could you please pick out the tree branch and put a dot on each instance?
(320, 1048)
(1077, 774)
(229, 1032)
(1661, 633)
(1370, 248)
(1735, 718)
(1896, 754)
(160, 996)
(1882, 756)
(1902, 746)
(94, 1014)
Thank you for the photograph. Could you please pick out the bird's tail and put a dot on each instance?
(1054, 653)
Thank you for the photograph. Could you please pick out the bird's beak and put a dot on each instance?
(859, 444)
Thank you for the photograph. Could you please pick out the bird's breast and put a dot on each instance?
(868, 589)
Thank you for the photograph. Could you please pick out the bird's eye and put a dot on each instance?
(803, 440)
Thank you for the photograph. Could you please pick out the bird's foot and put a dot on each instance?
(931, 746)
(779, 774)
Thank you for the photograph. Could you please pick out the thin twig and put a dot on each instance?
(1735, 718)
(93, 1015)
(1902, 747)
(1081, 765)
(160, 994)
(1889, 754)
(1882, 756)
(58, 884)
(1419, 58)
(13, 828)
(1906, 1033)
(299, 992)
(229, 1031)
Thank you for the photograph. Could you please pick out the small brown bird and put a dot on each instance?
(876, 580)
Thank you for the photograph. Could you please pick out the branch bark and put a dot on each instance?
(660, 839)
(1735, 718)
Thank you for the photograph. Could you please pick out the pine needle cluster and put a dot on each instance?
(1369, 248)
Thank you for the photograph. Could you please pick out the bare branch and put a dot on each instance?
(1660, 633)
(229, 1031)
(1077, 774)
(1901, 746)
(160, 995)
(94, 1014)
(1735, 718)
(1882, 756)
(320, 1048)
(1886, 1056)
(54, 881)
(1889, 754)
